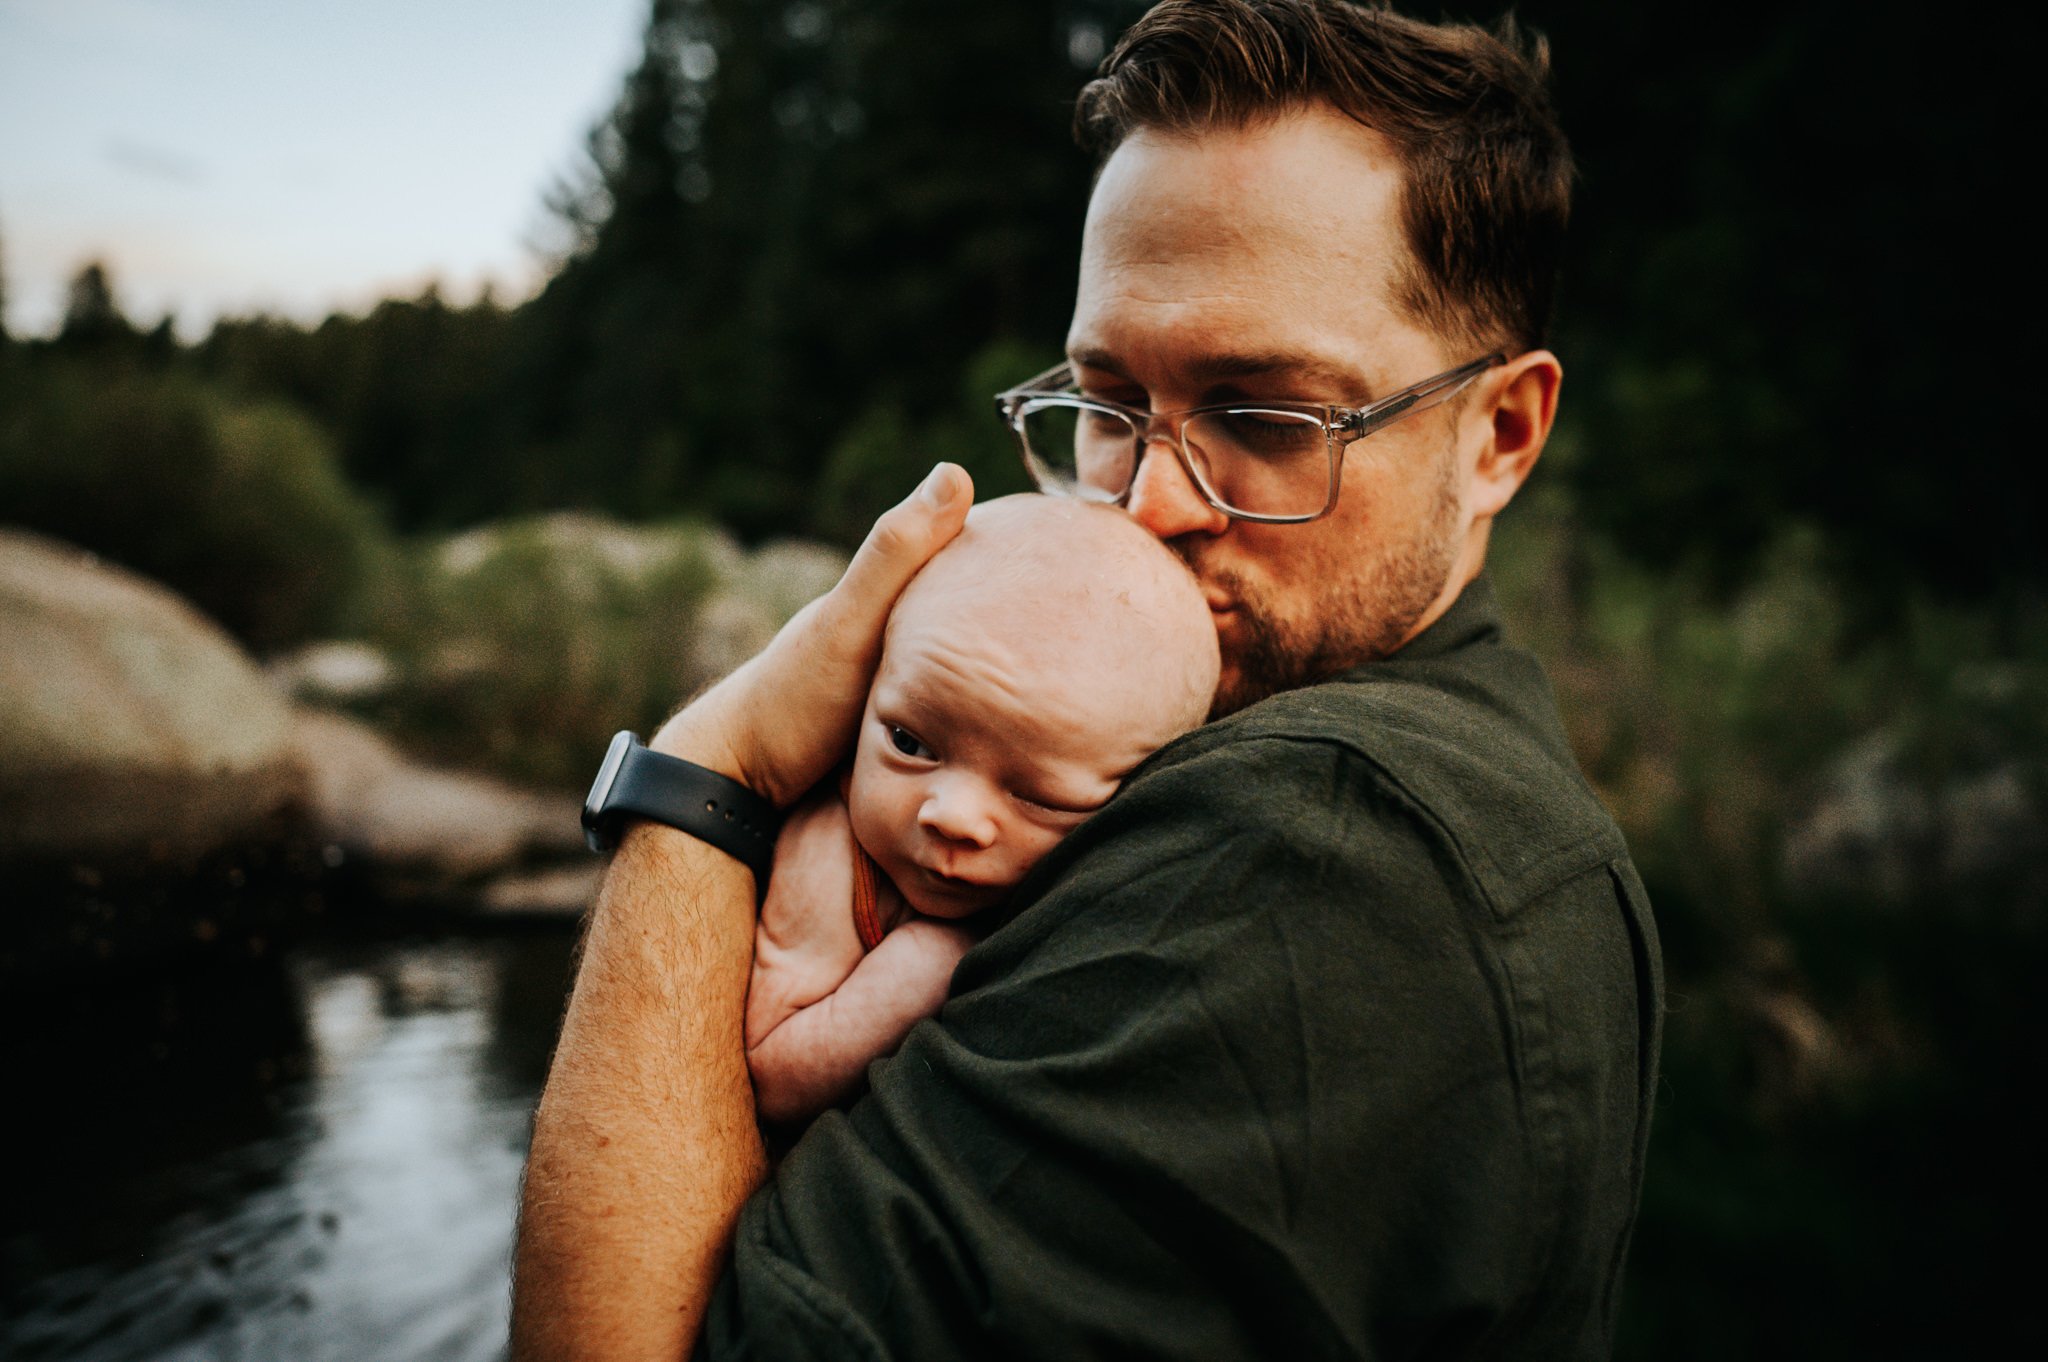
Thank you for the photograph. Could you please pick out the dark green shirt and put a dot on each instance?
(1332, 1035)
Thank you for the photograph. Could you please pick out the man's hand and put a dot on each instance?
(781, 721)
(645, 1145)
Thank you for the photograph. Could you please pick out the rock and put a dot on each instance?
(440, 827)
(788, 574)
(728, 630)
(129, 723)
(635, 552)
(732, 601)
(1878, 833)
(334, 672)
(134, 734)
(562, 892)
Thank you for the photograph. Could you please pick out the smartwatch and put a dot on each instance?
(640, 783)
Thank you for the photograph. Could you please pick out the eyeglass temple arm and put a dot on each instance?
(1368, 419)
(1061, 375)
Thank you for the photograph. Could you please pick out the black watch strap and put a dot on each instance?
(637, 782)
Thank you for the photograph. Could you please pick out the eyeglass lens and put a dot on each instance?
(1249, 460)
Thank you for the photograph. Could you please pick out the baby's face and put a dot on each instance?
(976, 756)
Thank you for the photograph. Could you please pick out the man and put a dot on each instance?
(1332, 1035)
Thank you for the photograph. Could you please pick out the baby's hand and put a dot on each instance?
(818, 1055)
(810, 888)
(806, 943)
(820, 1009)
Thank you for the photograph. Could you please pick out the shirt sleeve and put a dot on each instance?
(1238, 1081)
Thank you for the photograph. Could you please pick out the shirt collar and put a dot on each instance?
(1473, 618)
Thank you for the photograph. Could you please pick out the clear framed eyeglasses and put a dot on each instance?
(1277, 463)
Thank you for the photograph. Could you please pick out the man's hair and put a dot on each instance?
(1466, 109)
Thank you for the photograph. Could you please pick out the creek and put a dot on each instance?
(311, 1152)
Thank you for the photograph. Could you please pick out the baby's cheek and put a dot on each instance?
(876, 835)
(1035, 844)
(868, 811)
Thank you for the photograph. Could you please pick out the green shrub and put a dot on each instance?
(883, 454)
(524, 646)
(1832, 1039)
(239, 506)
(1712, 718)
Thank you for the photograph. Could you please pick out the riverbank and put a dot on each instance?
(164, 792)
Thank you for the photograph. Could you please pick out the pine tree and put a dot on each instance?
(797, 215)
(596, 403)
(92, 318)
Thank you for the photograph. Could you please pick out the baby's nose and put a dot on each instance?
(957, 812)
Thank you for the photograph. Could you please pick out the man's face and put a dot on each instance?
(1262, 264)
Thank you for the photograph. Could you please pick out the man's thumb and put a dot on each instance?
(905, 538)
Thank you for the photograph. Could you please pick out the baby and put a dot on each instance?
(1038, 658)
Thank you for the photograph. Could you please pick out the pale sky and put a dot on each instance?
(294, 156)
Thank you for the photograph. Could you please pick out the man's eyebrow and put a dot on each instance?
(1210, 371)
(1090, 357)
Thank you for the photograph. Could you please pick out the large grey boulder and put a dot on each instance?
(416, 825)
(135, 735)
(129, 722)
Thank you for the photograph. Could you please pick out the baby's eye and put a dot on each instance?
(906, 742)
(1051, 809)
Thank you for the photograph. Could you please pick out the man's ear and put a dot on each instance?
(1521, 402)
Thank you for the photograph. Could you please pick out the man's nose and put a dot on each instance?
(1164, 499)
(959, 812)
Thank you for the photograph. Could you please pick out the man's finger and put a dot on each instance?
(902, 541)
(787, 715)
(846, 633)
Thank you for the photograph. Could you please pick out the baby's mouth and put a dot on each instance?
(957, 886)
(938, 876)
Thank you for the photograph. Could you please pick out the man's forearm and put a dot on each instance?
(645, 1145)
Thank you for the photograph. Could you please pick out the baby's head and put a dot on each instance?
(1039, 657)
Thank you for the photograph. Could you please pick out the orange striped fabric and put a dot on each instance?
(867, 922)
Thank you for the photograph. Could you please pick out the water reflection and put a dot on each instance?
(310, 1158)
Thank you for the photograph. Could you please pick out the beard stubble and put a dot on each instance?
(1355, 619)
